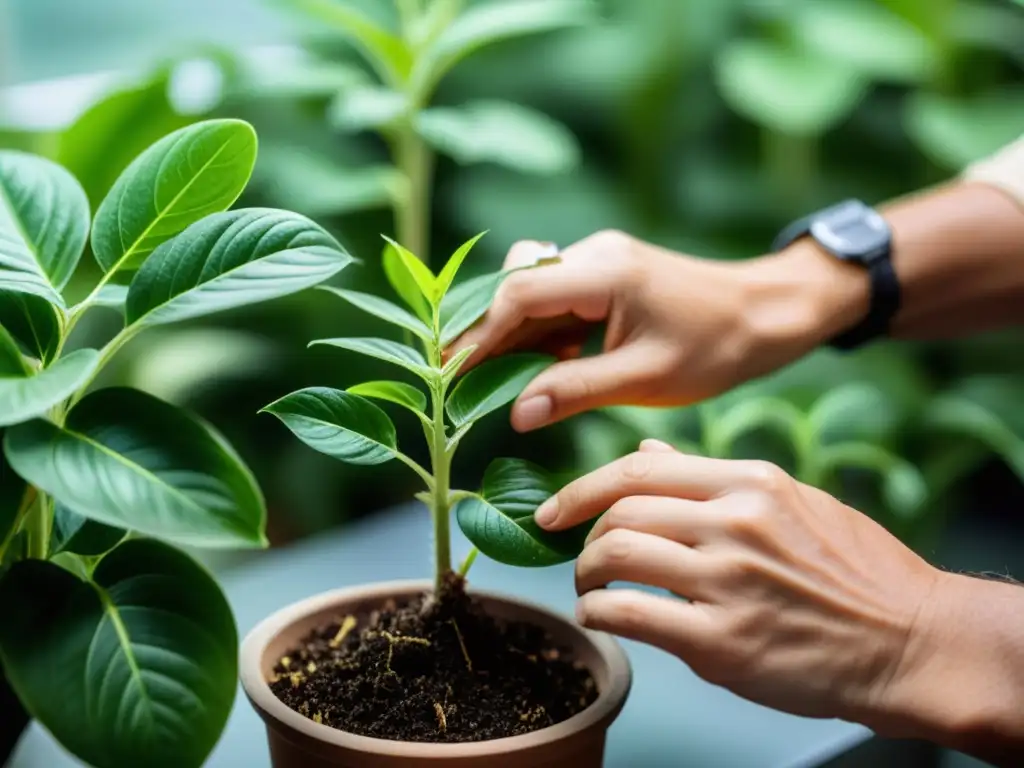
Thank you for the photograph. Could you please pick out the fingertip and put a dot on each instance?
(652, 445)
(532, 412)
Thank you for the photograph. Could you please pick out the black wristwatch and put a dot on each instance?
(856, 233)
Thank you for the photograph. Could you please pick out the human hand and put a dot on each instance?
(798, 601)
(679, 328)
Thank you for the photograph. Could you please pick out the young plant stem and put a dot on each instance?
(468, 562)
(412, 212)
(441, 503)
(27, 502)
(37, 525)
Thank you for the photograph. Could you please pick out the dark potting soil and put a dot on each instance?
(433, 670)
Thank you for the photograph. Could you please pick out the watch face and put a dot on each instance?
(852, 231)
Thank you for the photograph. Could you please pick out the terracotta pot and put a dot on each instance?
(298, 742)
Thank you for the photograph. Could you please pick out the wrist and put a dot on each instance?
(960, 679)
(801, 297)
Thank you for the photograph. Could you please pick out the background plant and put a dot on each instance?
(676, 105)
(121, 645)
(346, 425)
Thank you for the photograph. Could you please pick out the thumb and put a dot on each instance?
(565, 389)
(650, 445)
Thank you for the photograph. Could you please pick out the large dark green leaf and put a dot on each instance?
(383, 309)
(137, 667)
(383, 349)
(44, 223)
(32, 321)
(499, 521)
(128, 460)
(500, 132)
(466, 303)
(80, 535)
(339, 424)
(229, 260)
(28, 395)
(486, 23)
(493, 384)
(187, 175)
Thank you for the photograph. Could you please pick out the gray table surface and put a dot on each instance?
(672, 717)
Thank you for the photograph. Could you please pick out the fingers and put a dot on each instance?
(664, 622)
(583, 384)
(678, 520)
(526, 253)
(640, 558)
(644, 473)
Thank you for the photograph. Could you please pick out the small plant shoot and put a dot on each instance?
(119, 644)
(348, 425)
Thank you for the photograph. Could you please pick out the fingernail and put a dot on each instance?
(547, 512)
(656, 445)
(532, 413)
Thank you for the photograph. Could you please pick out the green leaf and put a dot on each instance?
(852, 411)
(12, 364)
(487, 23)
(367, 108)
(81, 536)
(229, 260)
(499, 522)
(451, 268)
(12, 489)
(383, 349)
(903, 486)
(44, 223)
(786, 90)
(33, 322)
(955, 132)
(128, 460)
(454, 365)
(493, 384)
(466, 303)
(387, 53)
(870, 38)
(404, 283)
(500, 132)
(419, 271)
(25, 395)
(397, 392)
(187, 175)
(137, 667)
(301, 78)
(905, 490)
(755, 413)
(111, 295)
(383, 309)
(338, 424)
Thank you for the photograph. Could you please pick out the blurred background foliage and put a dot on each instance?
(701, 126)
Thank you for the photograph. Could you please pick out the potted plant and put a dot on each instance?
(117, 642)
(411, 673)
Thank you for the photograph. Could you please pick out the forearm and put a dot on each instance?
(960, 682)
(958, 252)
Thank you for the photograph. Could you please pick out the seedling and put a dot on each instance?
(346, 425)
(121, 645)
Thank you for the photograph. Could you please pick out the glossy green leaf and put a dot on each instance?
(33, 322)
(383, 309)
(338, 424)
(486, 23)
(187, 175)
(44, 223)
(396, 392)
(955, 132)
(383, 349)
(229, 260)
(500, 132)
(492, 384)
(499, 521)
(454, 365)
(25, 396)
(869, 37)
(12, 364)
(112, 295)
(446, 276)
(128, 460)
(367, 108)
(420, 272)
(137, 667)
(404, 283)
(787, 90)
(466, 303)
(387, 53)
(79, 535)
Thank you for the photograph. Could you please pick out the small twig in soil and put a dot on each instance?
(347, 625)
(392, 641)
(462, 645)
(442, 721)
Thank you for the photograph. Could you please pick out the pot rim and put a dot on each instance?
(607, 705)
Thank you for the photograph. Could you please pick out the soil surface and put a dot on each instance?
(437, 671)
